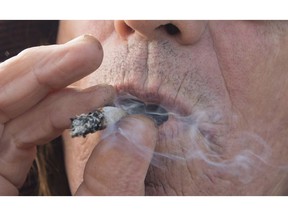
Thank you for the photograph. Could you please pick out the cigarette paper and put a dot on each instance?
(99, 119)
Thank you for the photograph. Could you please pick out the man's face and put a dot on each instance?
(225, 85)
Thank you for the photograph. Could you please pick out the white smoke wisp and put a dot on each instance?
(199, 138)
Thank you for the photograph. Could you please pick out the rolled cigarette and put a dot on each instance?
(94, 121)
(101, 118)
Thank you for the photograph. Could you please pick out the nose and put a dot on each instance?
(184, 31)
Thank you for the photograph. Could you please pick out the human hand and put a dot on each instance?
(119, 163)
(36, 104)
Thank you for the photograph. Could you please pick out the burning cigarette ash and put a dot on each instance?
(84, 124)
(94, 121)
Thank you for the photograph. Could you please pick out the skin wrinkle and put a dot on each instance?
(169, 183)
(173, 174)
(138, 68)
(157, 184)
(159, 187)
(162, 183)
(151, 185)
(221, 72)
(180, 86)
(200, 76)
(189, 171)
(3, 116)
(146, 70)
(3, 90)
(179, 80)
(81, 157)
(171, 161)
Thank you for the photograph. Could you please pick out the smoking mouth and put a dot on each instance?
(99, 119)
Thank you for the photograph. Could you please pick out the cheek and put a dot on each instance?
(241, 49)
(250, 62)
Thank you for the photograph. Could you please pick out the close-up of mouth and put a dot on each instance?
(133, 96)
(143, 107)
(177, 111)
(133, 106)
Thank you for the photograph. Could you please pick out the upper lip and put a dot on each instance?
(131, 61)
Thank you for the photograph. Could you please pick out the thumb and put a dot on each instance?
(119, 163)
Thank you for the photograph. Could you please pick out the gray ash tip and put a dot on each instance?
(87, 123)
(94, 121)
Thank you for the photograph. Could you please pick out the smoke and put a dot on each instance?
(202, 140)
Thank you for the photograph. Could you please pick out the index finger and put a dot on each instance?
(30, 76)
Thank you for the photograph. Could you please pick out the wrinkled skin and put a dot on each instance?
(36, 104)
(226, 86)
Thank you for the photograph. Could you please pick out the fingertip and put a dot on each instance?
(103, 88)
(87, 38)
(93, 40)
(105, 93)
(139, 129)
(87, 52)
(142, 120)
(109, 91)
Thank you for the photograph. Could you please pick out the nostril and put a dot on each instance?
(123, 29)
(171, 29)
